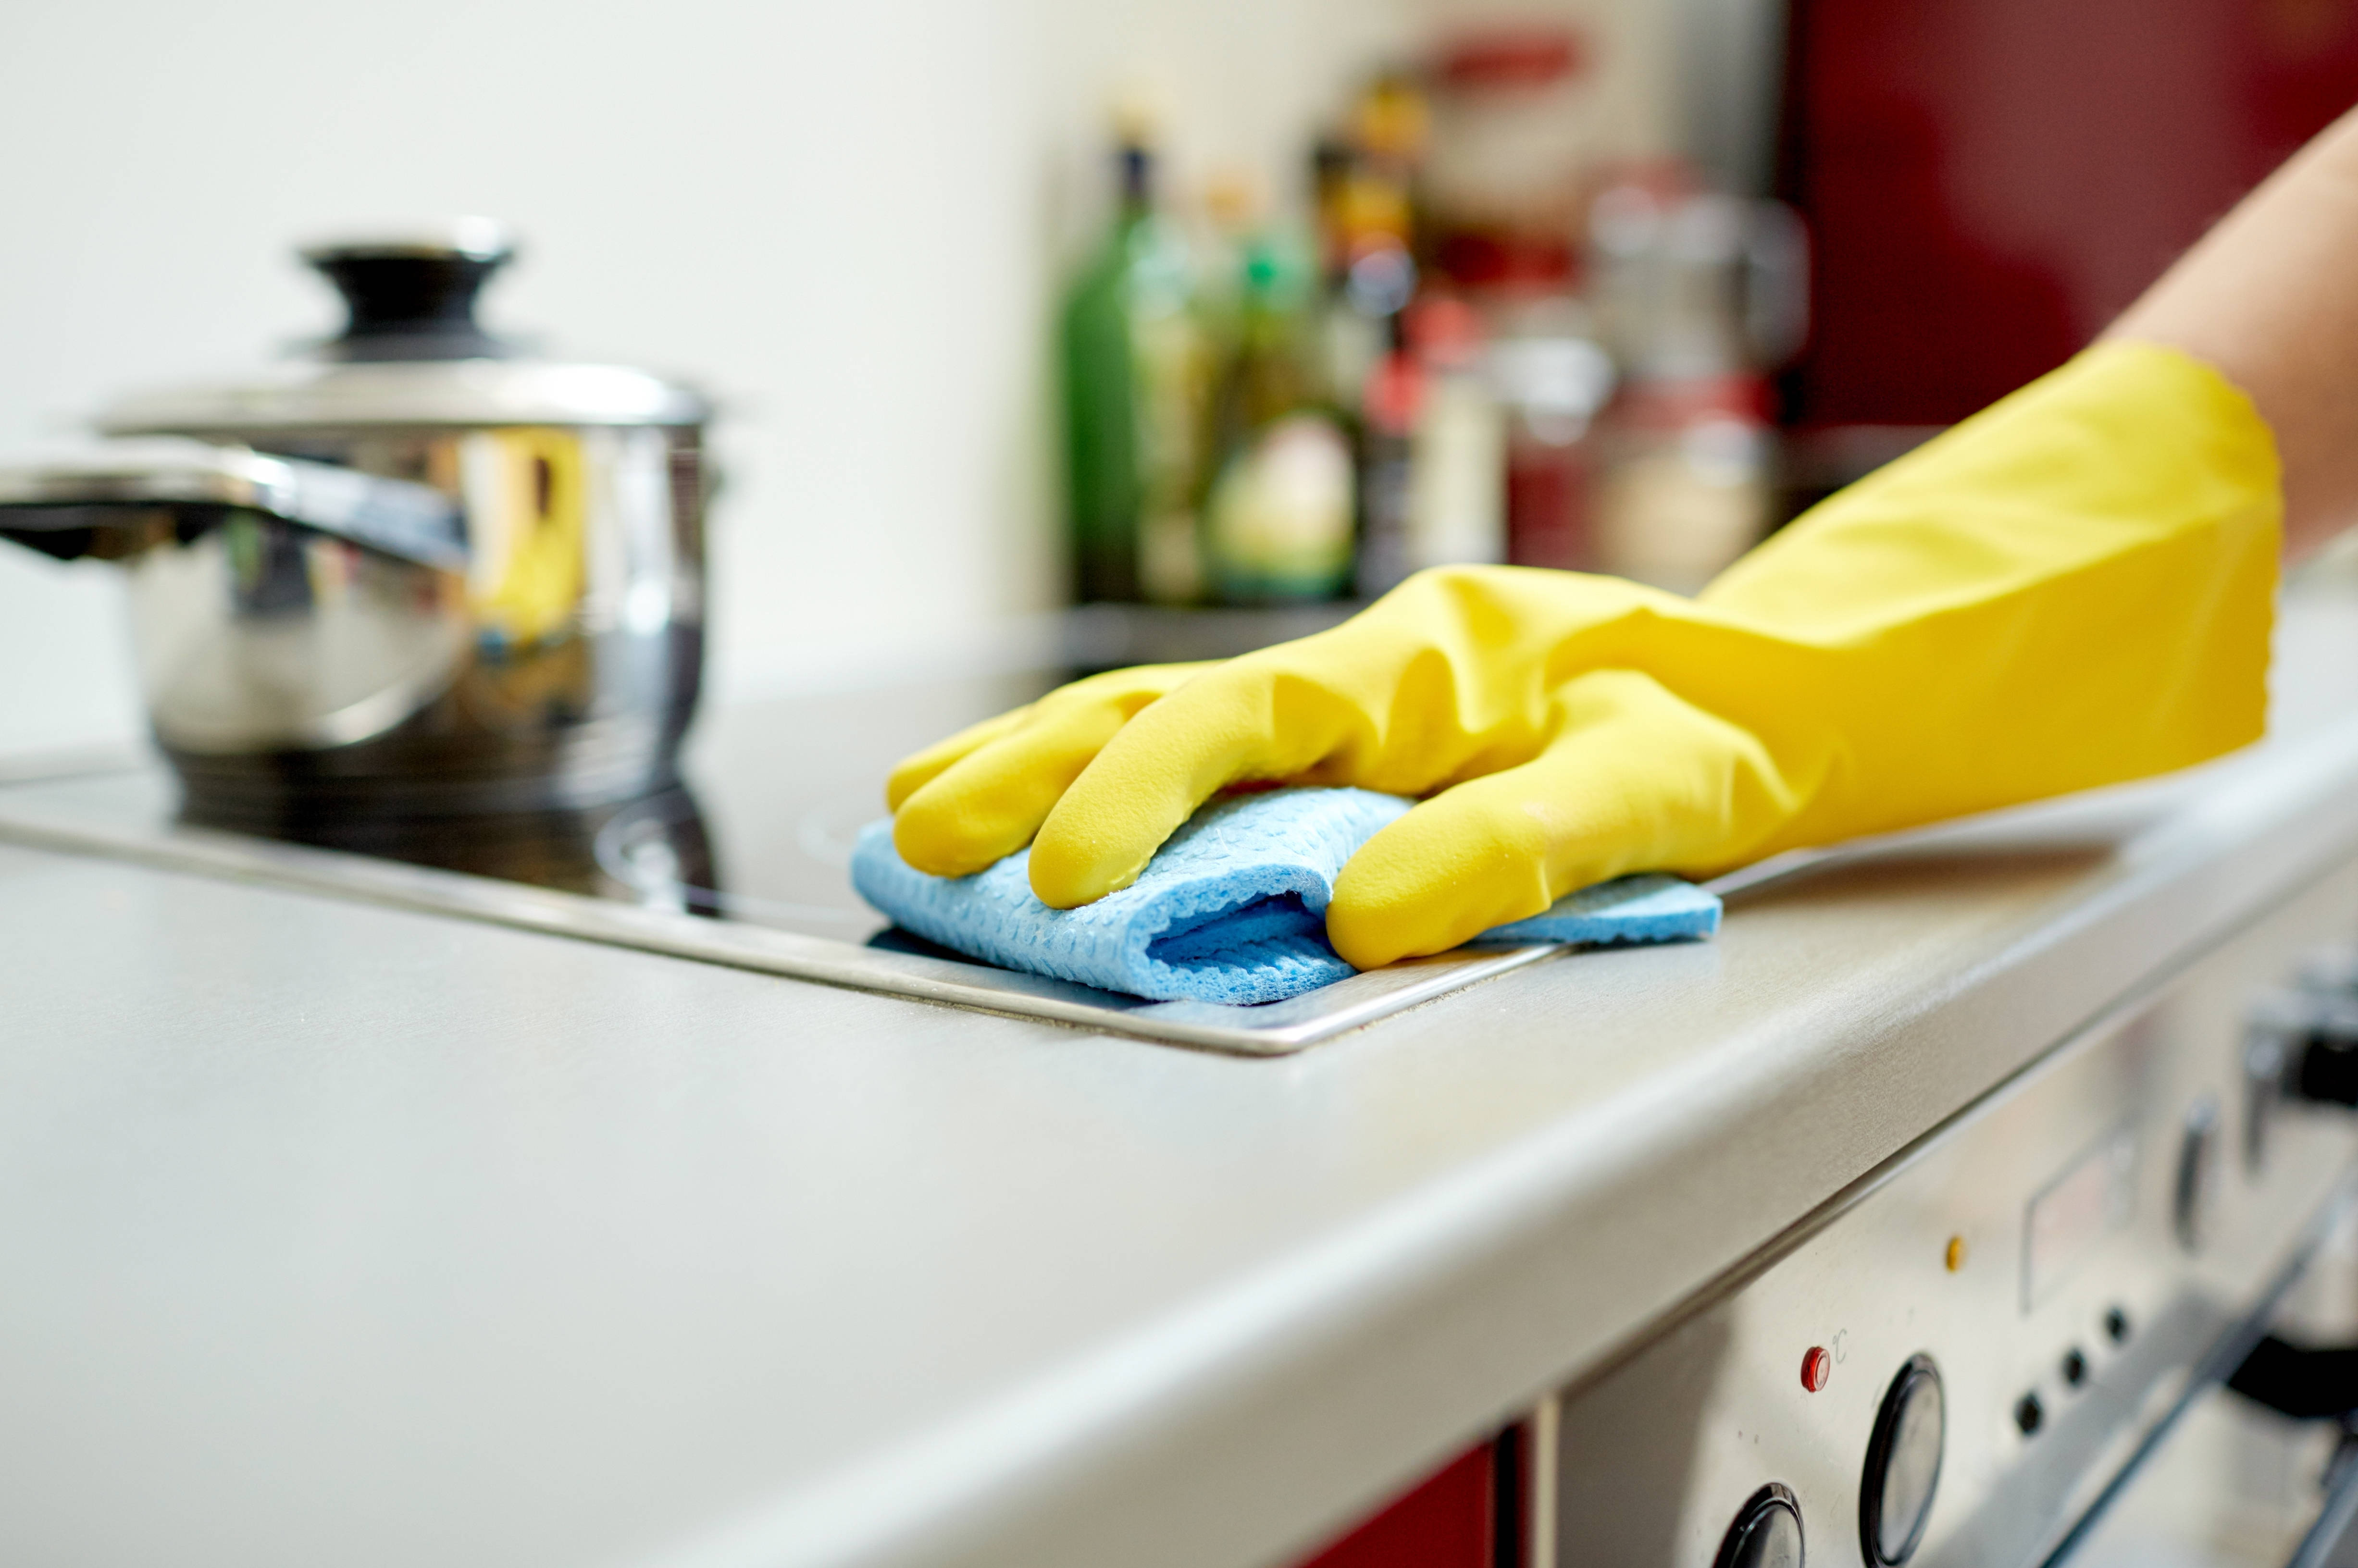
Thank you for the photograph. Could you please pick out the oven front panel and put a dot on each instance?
(1952, 1367)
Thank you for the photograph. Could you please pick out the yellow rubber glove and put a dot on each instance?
(2073, 588)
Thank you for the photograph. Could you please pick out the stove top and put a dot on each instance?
(746, 864)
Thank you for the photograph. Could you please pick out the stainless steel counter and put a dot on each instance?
(347, 1233)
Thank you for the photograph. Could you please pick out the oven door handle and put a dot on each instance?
(2312, 1383)
(2305, 1382)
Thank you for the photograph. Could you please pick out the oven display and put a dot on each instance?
(2076, 1210)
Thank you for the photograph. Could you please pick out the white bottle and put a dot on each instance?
(1457, 461)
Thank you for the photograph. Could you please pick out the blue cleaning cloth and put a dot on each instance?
(1649, 908)
(1232, 909)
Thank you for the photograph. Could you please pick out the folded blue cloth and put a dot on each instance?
(1232, 909)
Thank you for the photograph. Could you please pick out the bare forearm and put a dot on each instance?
(2270, 297)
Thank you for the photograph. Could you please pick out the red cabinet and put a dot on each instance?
(1988, 183)
(1448, 1520)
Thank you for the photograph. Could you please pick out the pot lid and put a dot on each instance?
(411, 354)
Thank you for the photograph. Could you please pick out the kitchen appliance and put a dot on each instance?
(419, 571)
(2010, 1344)
(2103, 1314)
(2101, 1317)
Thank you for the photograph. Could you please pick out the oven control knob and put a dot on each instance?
(1766, 1533)
(2310, 1041)
(2300, 1044)
(1903, 1464)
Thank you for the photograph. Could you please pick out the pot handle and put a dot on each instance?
(111, 499)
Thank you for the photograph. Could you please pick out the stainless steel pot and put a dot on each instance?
(415, 571)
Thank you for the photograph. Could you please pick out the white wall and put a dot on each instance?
(847, 218)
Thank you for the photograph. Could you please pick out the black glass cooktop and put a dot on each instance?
(760, 832)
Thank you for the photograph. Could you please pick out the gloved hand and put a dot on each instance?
(2073, 588)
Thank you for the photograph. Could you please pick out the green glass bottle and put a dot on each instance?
(1278, 508)
(1134, 373)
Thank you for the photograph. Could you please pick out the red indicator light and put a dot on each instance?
(1816, 1368)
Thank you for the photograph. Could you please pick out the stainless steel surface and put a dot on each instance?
(254, 638)
(152, 479)
(2232, 1483)
(562, 669)
(339, 1232)
(305, 397)
(2233, 1487)
(2330, 1543)
(345, 1233)
(555, 664)
(2085, 1196)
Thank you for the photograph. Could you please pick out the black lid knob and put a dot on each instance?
(411, 296)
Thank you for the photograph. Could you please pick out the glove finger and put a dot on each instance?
(919, 769)
(1249, 720)
(1635, 780)
(1447, 678)
(986, 803)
